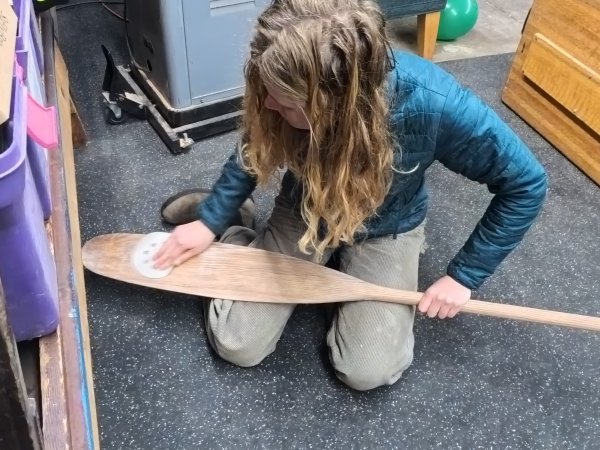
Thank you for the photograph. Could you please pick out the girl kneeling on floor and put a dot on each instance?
(356, 126)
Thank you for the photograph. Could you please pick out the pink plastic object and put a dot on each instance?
(41, 124)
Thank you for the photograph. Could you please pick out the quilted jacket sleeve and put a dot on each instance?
(475, 142)
(234, 186)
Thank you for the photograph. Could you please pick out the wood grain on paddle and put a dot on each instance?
(248, 274)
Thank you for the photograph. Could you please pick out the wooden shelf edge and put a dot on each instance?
(68, 400)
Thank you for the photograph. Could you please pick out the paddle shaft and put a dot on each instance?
(485, 308)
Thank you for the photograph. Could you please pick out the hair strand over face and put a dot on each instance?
(331, 57)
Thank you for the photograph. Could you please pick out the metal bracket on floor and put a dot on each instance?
(123, 96)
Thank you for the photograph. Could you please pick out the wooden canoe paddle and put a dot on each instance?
(248, 274)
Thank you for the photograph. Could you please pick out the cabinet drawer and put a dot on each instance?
(572, 84)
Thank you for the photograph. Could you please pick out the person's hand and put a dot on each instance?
(186, 241)
(444, 298)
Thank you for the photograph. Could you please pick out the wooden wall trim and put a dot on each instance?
(68, 401)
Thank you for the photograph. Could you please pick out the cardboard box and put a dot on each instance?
(8, 37)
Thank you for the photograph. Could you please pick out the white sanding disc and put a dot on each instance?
(141, 259)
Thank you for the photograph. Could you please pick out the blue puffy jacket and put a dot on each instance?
(433, 118)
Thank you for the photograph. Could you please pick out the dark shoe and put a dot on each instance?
(182, 208)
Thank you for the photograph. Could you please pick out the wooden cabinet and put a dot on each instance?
(554, 81)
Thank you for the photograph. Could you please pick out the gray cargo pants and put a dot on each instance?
(370, 343)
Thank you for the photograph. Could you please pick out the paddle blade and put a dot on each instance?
(228, 272)
(248, 274)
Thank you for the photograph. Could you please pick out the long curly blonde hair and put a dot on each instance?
(332, 58)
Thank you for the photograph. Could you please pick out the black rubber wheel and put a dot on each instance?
(111, 117)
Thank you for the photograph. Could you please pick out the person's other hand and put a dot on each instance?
(186, 241)
(444, 298)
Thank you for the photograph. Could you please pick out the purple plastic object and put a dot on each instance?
(27, 35)
(36, 38)
(40, 171)
(30, 59)
(27, 269)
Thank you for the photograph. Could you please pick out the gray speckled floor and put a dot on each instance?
(475, 383)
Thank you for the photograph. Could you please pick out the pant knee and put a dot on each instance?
(364, 367)
(371, 344)
(240, 350)
(244, 333)
(365, 376)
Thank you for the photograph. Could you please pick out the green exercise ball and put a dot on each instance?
(457, 19)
